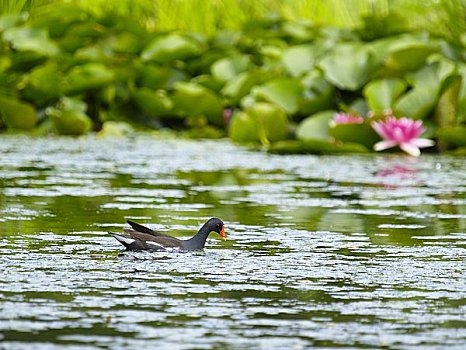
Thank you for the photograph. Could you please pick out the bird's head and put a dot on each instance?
(218, 226)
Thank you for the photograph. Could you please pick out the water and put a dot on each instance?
(333, 252)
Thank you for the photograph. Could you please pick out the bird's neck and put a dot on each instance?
(199, 239)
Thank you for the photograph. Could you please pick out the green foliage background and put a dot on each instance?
(267, 71)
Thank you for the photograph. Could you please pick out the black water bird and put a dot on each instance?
(140, 237)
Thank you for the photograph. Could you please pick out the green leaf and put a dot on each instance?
(31, 39)
(93, 53)
(358, 107)
(43, 83)
(8, 21)
(318, 94)
(446, 110)
(299, 30)
(115, 129)
(17, 114)
(241, 85)
(381, 94)
(262, 122)
(153, 103)
(315, 127)
(69, 117)
(447, 107)
(126, 43)
(209, 82)
(350, 66)
(299, 60)
(408, 55)
(284, 92)
(243, 128)
(228, 68)
(462, 94)
(418, 103)
(455, 135)
(169, 48)
(192, 99)
(87, 77)
(355, 133)
(25, 60)
(79, 35)
(432, 75)
(158, 77)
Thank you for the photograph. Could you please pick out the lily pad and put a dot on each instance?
(298, 60)
(127, 43)
(80, 35)
(284, 92)
(228, 68)
(299, 30)
(455, 135)
(446, 110)
(408, 55)
(209, 82)
(115, 129)
(169, 48)
(350, 66)
(238, 87)
(432, 75)
(153, 103)
(418, 103)
(447, 107)
(93, 53)
(69, 117)
(31, 39)
(17, 114)
(318, 94)
(44, 83)
(87, 77)
(192, 99)
(159, 77)
(362, 134)
(262, 122)
(381, 94)
(315, 127)
(243, 128)
(24, 61)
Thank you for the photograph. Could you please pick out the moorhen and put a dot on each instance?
(139, 237)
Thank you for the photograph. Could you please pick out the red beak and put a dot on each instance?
(223, 234)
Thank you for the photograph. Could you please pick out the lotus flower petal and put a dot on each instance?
(345, 118)
(380, 146)
(422, 143)
(410, 148)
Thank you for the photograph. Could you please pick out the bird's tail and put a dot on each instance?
(123, 239)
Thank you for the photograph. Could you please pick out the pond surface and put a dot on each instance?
(332, 252)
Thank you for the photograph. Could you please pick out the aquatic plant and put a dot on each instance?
(345, 118)
(402, 132)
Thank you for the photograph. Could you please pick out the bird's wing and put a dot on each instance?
(143, 229)
(135, 244)
(163, 241)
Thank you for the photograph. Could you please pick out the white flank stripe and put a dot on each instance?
(154, 243)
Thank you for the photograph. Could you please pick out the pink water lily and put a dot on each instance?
(345, 118)
(403, 132)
